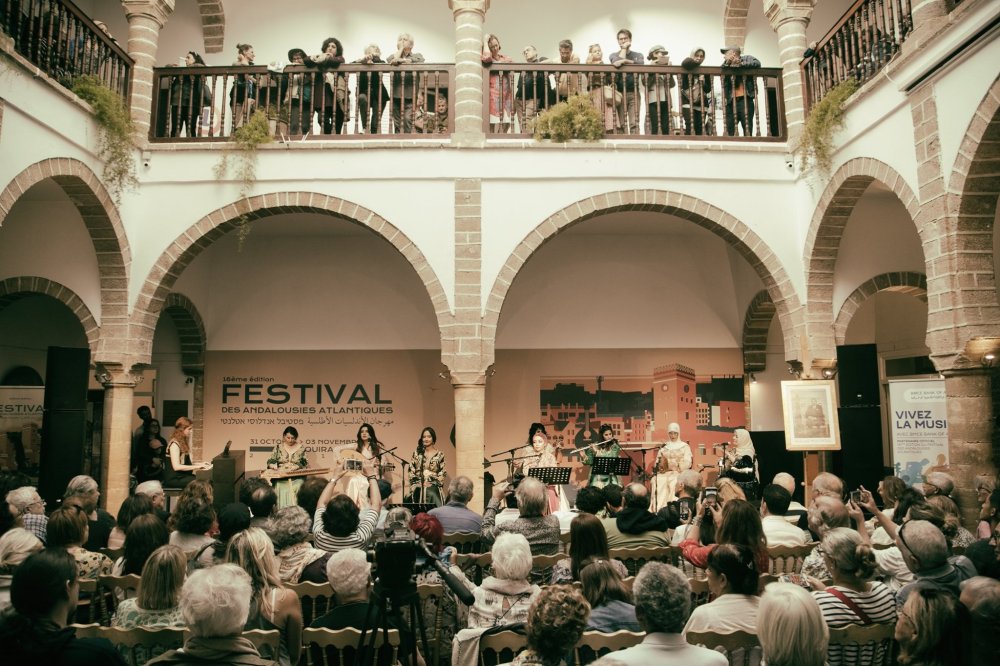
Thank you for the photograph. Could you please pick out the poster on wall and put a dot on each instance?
(252, 396)
(918, 427)
(20, 425)
(639, 410)
(810, 412)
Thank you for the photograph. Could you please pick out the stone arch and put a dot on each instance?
(213, 24)
(756, 324)
(734, 21)
(16, 288)
(900, 282)
(190, 331)
(187, 246)
(826, 231)
(100, 216)
(743, 239)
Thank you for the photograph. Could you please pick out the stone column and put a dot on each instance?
(116, 434)
(470, 433)
(789, 19)
(197, 413)
(970, 434)
(468, 94)
(145, 19)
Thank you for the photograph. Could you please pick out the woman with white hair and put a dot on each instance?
(215, 603)
(741, 463)
(15, 546)
(673, 458)
(790, 627)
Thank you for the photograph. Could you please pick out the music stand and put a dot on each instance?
(551, 476)
(608, 466)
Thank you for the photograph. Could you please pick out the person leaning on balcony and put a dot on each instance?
(532, 92)
(188, 96)
(658, 92)
(606, 99)
(626, 83)
(404, 84)
(738, 91)
(372, 95)
(296, 95)
(242, 95)
(696, 95)
(568, 83)
(501, 86)
(332, 105)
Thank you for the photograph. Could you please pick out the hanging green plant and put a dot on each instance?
(248, 138)
(117, 134)
(814, 147)
(576, 118)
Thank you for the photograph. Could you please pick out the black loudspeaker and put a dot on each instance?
(859, 462)
(857, 375)
(64, 420)
(772, 457)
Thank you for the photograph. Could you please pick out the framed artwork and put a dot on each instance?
(810, 410)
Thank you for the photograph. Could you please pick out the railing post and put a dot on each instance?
(468, 94)
(145, 19)
(789, 19)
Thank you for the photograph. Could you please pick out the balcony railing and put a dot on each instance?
(209, 103)
(64, 43)
(648, 102)
(858, 46)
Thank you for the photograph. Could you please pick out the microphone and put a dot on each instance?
(454, 584)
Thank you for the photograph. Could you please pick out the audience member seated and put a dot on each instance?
(925, 553)
(455, 515)
(981, 598)
(796, 514)
(215, 604)
(10, 481)
(157, 603)
(611, 607)
(729, 490)
(929, 629)
(15, 546)
(852, 598)
(541, 531)
(634, 526)
(773, 509)
(44, 594)
(272, 605)
(298, 561)
(154, 491)
(907, 499)
(338, 522)
(958, 536)
(384, 493)
(687, 489)
(891, 489)
(144, 535)
(504, 597)
(589, 500)
(233, 519)
(260, 496)
(662, 606)
(556, 621)
(131, 508)
(28, 510)
(586, 539)
(614, 499)
(986, 485)
(790, 627)
(739, 523)
(68, 529)
(825, 514)
(308, 495)
(428, 527)
(827, 485)
(938, 483)
(82, 491)
(733, 577)
(193, 519)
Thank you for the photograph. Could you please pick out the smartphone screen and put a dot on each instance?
(711, 494)
(856, 497)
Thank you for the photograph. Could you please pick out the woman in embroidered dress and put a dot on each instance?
(541, 454)
(289, 455)
(609, 450)
(427, 469)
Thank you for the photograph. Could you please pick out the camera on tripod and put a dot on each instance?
(394, 555)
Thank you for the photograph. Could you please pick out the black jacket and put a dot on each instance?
(23, 641)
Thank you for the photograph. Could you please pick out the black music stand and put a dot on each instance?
(608, 466)
(551, 476)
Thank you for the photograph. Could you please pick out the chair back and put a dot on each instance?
(267, 641)
(113, 590)
(89, 606)
(500, 647)
(741, 648)
(564, 542)
(596, 644)
(112, 553)
(765, 580)
(634, 558)
(136, 646)
(700, 594)
(475, 565)
(435, 592)
(464, 542)
(788, 559)
(863, 644)
(328, 647)
(316, 599)
(541, 567)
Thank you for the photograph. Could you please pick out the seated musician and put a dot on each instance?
(289, 455)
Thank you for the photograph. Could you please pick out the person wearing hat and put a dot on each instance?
(296, 96)
(738, 91)
(658, 92)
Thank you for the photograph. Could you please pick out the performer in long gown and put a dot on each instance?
(673, 458)
(289, 455)
(741, 464)
(609, 450)
(427, 469)
(354, 484)
(542, 454)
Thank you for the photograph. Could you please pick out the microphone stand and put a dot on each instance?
(503, 453)
(403, 462)
(642, 450)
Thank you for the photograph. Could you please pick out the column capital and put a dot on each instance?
(468, 380)
(779, 12)
(158, 10)
(479, 6)
(114, 375)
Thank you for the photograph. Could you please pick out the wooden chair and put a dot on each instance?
(765, 580)
(700, 594)
(564, 543)
(739, 646)
(541, 567)
(634, 558)
(316, 599)
(596, 644)
(433, 625)
(112, 590)
(112, 553)
(874, 642)
(788, 559)
(89, 606)
(500, 647)
(267, 641)
(340, 646)
(137, 646)
(475, 565)
(464, 542)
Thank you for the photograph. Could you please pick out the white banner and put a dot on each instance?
(20, 423)
(918, 427)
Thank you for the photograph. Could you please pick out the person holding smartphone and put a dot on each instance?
(738, 523)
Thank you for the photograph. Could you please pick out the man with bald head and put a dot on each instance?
(925, 552)
(825, 513)
(796, 514)
(828, 485)
(635, 526)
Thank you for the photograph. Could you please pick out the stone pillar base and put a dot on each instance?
(470, 435)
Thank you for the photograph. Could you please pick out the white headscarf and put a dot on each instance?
(744, 445)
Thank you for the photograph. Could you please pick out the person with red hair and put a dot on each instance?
(429, 528)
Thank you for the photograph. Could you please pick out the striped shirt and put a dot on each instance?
(359, 538)
(878, 603)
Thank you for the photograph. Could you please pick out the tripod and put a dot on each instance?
(385, 611)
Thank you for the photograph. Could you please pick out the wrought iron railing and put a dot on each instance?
(63, 42)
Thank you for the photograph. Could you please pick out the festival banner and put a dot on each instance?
(20, 424)
(918, 427)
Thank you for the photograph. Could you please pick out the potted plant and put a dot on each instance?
(576, 119)
(117, 134)
(253, 134)
(814, 147)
